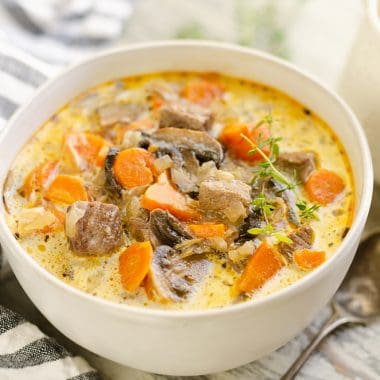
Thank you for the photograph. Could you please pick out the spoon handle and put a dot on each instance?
(338, 318)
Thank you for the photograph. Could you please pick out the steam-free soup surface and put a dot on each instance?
(181, 190)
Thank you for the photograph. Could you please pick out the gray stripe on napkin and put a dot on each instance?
(9, 319)
(40, 351)
(21, 71)
(7, 107)
(91, 375)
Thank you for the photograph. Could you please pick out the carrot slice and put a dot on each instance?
(323, 186)
(163, 195)
(207, 230)
(66, 189)
(231, 138)
(134, 264)
(202, 91)
(39, 177)
(85, 149)
(133, 167)
(307, 259)
(261, 266)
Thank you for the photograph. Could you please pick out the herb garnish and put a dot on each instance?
(307, 211)
(264, 205)
(268, 230)
(267, 168)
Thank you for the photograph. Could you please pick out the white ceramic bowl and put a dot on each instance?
(194, 342)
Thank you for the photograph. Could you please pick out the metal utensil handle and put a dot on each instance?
(338, 318)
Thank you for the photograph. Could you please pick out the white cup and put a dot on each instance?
(359, 84)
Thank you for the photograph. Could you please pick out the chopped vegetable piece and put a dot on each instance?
(261, 266)
(39, 178)
(323, 186)
(35, 219)
(164, 196)
(231, 137)
(134, 264)
(133, 167)
(142, 124)
(66, 189)
(156, 102)
(202, 91)
(83, 149)
(207, 230)
(307, 259)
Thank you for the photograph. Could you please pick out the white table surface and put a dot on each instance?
(316, 35)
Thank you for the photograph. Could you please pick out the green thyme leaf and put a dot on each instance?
(307, 211)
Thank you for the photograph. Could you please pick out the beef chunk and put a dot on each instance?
(230, 197)
(302, 238)
(112, 113)
(180, 116)
(94, 228)
(302, 163)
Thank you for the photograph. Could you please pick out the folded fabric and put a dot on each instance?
(26, 353)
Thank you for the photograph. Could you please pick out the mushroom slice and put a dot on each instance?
(167, 228)
(204, 146)
(173, 279)
(184, 173)
(289, 198)
(110, 182)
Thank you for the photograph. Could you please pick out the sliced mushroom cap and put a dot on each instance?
(204, 146)
(253, 220)
(111, 184)
(167, 228)
(289, 198)
(184, 173)
(174, 279)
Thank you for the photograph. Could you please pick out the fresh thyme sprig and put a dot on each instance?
(269, 230)
(267, 168)
(264, 205)
(308, 211)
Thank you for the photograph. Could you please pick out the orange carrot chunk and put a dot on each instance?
(134, 264)
(307, 259)
(261, 266)
(231, 138)
(85, 149)
(163, 195)
(39, 178)
(207, 230)
(202, 91)
(133, 167)
(66, 189)
(323, 186)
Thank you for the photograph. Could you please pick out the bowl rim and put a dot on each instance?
(11, 243)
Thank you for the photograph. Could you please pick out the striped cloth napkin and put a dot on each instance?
(25, 352)
(58, 32)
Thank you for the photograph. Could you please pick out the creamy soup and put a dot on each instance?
(181, 190)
